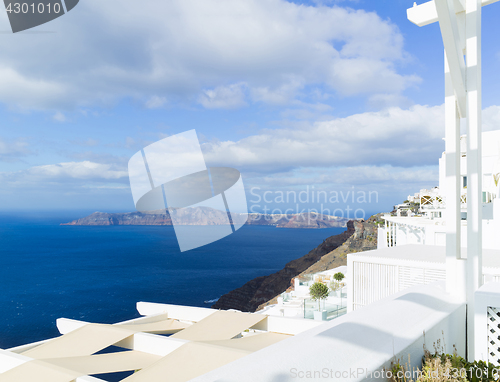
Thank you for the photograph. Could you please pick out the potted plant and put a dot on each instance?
(337, 285)
(339, 276)
(318, 292)
(496, 179)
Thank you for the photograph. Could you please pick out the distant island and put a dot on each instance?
(209, 216)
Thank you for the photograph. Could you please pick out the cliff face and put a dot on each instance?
(209, 216)
(364, 238)
(261, 289)
(332, 253)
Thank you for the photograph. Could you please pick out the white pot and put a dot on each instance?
(320, 316)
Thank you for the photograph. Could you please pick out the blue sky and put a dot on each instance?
(342, 96)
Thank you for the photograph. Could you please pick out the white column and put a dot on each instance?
(474, 181)
(452, 187)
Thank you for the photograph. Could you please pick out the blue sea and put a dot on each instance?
(98, 274)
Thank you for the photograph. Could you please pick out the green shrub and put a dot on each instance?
(447, 368)
(318, 292)
(336, 285)
(339, 276)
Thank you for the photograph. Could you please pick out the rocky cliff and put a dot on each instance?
(262, 291)
(209, 216)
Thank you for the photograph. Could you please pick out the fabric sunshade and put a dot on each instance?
(83, 341)
(160, 327)
(251, 343)
(187, 362)
(106, 363)
(222, 325)
(70, 356)
(38, 371)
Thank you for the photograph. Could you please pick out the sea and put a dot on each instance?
(98, 274)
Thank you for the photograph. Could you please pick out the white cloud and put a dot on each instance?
(382, 101)
(362, 75)
(25, 91)
(77, 170)
(331, 177)
(307, 111)
(365, 175)
(395, 136)
(491, 118)
(88, 142)
(156, 102)
(13, 150)
(281, 95)
(178, 48)
(59, 117)
(387, 148)
(224, 97)
(84, 172)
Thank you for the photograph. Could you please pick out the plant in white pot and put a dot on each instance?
(336, 284)
(339, 276)
(318, 292)
(496, 179)
(336, 288)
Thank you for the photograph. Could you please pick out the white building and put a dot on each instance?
(429, 226)
(490, 166)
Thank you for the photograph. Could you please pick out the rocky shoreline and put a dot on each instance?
(262, 291)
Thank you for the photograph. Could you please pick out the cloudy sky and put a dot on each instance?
(336, 95)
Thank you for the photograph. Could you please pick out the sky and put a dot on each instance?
(344, 97)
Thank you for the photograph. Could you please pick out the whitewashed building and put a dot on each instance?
(429, 226)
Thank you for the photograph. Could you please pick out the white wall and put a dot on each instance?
(490, 161)
(374, 278)
(367, 339)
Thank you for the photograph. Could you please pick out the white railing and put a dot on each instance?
(494, 335)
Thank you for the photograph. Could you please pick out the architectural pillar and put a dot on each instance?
(474, 165)
(452, 190)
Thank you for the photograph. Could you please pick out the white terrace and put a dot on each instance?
(298, 303)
